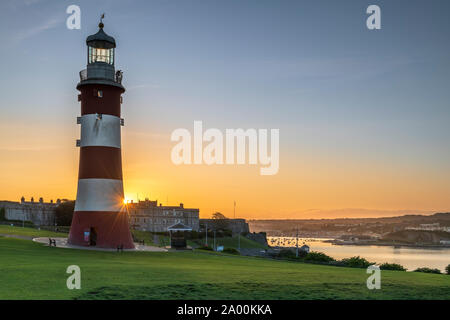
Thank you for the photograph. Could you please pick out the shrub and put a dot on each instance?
(428, 270)
(2, 214)
(447, 269)
(356, 262)
(302, 253)
(286, 253)
(206, 248)
(231, 251)
(392, 266)
(314, 256)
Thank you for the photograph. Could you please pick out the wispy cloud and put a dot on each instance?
(37, 29)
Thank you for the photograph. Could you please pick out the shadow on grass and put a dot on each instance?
(247, 290)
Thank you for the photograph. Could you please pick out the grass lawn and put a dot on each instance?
(29, 232)
(227, 242)
(32, 271)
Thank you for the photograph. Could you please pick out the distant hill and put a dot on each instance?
(333, 227)
(417, 236)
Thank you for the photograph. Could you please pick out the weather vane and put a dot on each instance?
(101, 21)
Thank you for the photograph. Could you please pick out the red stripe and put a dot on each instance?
(109, 103)
(100, 163)
(111, 229)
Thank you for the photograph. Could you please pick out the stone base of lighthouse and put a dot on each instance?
(101, 229)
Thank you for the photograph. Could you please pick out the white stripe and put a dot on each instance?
(99, 195)
(100, 132)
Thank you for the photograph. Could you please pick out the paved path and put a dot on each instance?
(15, 236)
(62, 243)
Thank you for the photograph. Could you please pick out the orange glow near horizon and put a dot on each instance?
(305, 187)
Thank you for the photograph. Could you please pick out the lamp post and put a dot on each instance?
(239, 241)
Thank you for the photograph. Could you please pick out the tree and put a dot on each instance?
(218, 215)
(447, 269)
(64, 213)
(221, 222)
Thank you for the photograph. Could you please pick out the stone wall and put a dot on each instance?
(259, 237)
(235, 225)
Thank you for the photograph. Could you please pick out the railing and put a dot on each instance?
(118, 76)
(83, 75)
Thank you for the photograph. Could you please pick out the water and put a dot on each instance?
(410, 258)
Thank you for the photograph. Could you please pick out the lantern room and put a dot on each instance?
(101, 59)
(100, 47)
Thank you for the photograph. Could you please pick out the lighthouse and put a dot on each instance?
(100, 218)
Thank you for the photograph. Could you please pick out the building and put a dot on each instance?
(430, 227)
(100, 217)
(178, 239)
(39, 213)
(149, 216)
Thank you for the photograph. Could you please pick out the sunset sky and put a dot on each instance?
(364, 116)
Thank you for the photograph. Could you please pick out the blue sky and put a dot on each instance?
(311, 68)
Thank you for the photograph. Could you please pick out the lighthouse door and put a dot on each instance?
(93, 238)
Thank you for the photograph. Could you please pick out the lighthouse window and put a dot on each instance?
(101, 55)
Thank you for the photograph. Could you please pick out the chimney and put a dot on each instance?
(181, 205)
(41, 200)
(32, 199)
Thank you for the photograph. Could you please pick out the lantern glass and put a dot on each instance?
(101, 55)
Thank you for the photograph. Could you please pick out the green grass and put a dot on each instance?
(32, 271)
(148, 238)
(29, 232)
(227, 242)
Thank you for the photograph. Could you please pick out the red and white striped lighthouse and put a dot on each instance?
(100, 218)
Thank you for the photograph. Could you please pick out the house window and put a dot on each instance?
(100, 93)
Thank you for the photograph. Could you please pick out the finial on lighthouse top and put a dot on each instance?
(101, 25)
(101, 39)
